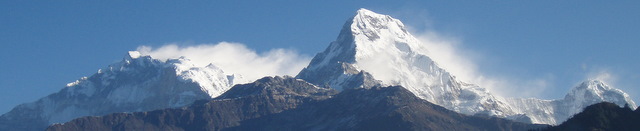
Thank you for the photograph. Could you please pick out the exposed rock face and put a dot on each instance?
(378, 108)
(266, 96)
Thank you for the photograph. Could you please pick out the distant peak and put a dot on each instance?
(598, 89)
(594, 91)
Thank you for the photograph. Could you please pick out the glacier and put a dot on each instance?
(380, 48)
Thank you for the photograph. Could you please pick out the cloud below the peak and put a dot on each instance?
(234, 58)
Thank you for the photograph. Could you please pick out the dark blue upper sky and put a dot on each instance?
(46, 44)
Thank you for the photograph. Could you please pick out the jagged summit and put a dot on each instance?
(137, 83)
(364, 34)
(380, 46)
(373, 25)
(595, 91)
(593, 84)
(582, 95)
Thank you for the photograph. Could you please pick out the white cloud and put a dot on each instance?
(234, 58)
(450, 54)
(446, 53)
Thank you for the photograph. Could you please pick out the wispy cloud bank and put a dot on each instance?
(234, 58)
(463, 63)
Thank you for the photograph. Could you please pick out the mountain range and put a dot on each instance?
(380, 45)
(137, 83)
(381, 71)
(285, 103)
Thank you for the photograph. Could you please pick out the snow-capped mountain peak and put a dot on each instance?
(137, 83)
(590, 87)
(373, 25)
(595, 91)
(380, 47)
(211, 79)
(584, 94)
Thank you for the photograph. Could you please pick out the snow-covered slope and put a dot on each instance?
(380, 47)
(137, 83)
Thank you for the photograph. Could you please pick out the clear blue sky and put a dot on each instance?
(44, 45)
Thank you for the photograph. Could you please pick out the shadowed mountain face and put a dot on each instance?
(277, 103)
(603, 116)
(378, 108)
(268, 95)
